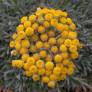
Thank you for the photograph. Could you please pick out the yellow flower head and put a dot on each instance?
(32, 18)
(46, 44)
(17, 63)
(49, 65)
(51, 84)
(58, 58)
(45, 79)
(40, 63)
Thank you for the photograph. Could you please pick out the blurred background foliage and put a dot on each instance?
(81, 13)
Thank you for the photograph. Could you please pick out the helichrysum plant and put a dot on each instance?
(47, 44)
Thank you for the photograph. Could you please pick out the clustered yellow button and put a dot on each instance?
(47, 43)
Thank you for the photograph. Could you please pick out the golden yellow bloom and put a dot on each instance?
(66, 62)
(29, 31)
(39, 12)
(23, 51)
(64, 14)
(25, 57)
(27, 24)
(48, 16)
(69, 20)
(39, 44)
(35, 26)
(57, 14)
(54, 49)
(56, 70)
(58, 58)
(74, 55)
(73, 26)
(41, 29)
(63, 48)
(70, 71)
(71, 64)
(26, 66)
(64, 34)
(49, 65)
(54, 22)
(35, 77)
(36, 56)
(48, 58)
(45, 79)
(28, 73)
(63, 20)
(75, 42)
(47, 42)
(59, 65)
(42, 54)
(48, 72)
(46, 45)
(46, 10)
(60, 27)
(33, 69)
(21, 35)
(17, 46)
(40, 20)
(17, 40)
(17, 63)
(44, 37)
(67, 42)
(41, 71)
(72, 48)
(64, 70)
(46, 24)
(40, 63)
(51, 33)
(60, 41)
(20, 27)
(66, 27)
(14, 36)
(23, 19)
(12, 44)
(52, 41)
(51, 84)
(65, 55)
(53, 77)
(32, 18)
(72, 35)
(25, 43)
(30, 60)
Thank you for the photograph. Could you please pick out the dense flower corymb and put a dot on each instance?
(47, 44)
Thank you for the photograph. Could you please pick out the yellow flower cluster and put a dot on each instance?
(47, 44)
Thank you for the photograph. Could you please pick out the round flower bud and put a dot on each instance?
(27, 24)
(41, 29)
(45, 79)
(63, 48)
(51, 84)
(29, 31)
(58, 58)
(39, 44)
(52, 41)
(35, 77)
(54, 49)
(49, 65)
(40, 63)
(44, 37)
